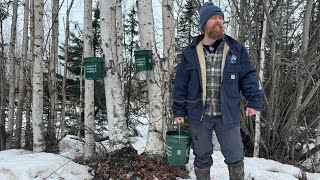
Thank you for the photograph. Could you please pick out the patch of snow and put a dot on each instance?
(25, 165)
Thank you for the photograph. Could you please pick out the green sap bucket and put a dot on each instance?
(143, 60)
(94, 68)
(178, 147)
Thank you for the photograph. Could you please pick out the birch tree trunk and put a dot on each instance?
(155, 142)
(2, 92)
(52, 72)
(12, 85)
(257, 136)
(169, 55)
(66, 61)
(120, 133)
(2, 120)
(306, 26)
(89, 147)
(28, 134)
(80, 123)
(234, 19)
(242, 26)
(22, 86)
(119, 44)
(111, 37)
(39, 143)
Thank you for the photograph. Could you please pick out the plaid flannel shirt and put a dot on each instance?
(213, 74)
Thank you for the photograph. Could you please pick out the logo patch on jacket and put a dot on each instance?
(233, 59)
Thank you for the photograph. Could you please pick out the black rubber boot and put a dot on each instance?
(202, 174)
(236, 171)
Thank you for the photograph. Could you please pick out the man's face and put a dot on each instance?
(214, 27)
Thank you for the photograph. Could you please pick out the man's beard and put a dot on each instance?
(216, 31)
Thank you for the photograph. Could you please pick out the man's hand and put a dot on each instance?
(250, 111)
(179, 120)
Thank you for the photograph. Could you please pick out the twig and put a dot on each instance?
(57, 169)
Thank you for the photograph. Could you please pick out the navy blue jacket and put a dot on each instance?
(239, 76)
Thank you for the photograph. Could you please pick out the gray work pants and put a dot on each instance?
(229, 138)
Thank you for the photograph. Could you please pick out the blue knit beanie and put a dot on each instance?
(207, 11)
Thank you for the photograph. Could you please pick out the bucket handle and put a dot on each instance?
(179, 131)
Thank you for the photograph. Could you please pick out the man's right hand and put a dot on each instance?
(179, 120)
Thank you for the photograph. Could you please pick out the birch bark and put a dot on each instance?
(89, 147)
(52, 71)
(23, 74)
(257, 136)
(12, 85)
(155, 141)
(111, 38)
(39, 143)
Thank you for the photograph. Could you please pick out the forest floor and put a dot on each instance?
(127, 164)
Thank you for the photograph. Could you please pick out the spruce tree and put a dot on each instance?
(187, 26)
(134, 90)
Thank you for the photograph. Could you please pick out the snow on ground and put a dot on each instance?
(73, 147)
(139, 143)
(26, 165)
(70, 147)
(255, 168)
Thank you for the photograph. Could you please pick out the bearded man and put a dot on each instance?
(213, 71)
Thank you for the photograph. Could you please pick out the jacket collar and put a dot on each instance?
(229, 40)
(196, 40)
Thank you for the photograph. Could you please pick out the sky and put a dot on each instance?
(26, 165)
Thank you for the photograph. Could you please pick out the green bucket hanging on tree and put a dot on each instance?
(94, 68)
(143, 60)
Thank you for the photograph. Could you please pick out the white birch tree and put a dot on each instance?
(52, 70)
(89, 147)
(28, 134)
(111, 43)
(169, 55)
(39, 143)
(80, 123)
(257, 135)
(155, 142)
(12, 88)
(234, 5)
(22, 86)
(3, 93)
(2, 104)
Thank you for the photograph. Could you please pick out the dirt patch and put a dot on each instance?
(127, 164)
